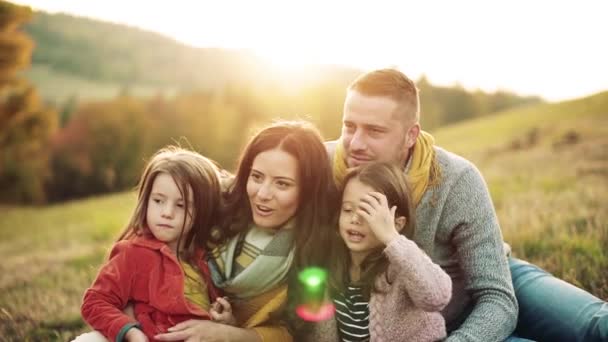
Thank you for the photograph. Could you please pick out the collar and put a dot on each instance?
(148, 241)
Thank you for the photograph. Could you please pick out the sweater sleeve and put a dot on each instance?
(425, 282)
(104, 301)
(476, 235)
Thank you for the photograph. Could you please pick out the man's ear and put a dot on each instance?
(400, 223)
(412, 135)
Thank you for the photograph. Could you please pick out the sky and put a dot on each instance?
(555, 49)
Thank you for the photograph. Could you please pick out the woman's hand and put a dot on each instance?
(373, 208)
(221, 312)
(207, 331)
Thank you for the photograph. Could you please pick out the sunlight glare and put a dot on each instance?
(284, 58)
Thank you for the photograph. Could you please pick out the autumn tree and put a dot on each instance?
(25, 125)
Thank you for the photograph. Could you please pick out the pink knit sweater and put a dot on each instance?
(407, 307)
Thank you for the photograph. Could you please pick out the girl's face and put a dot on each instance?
(273, 188)
(166, 216)
(355, 231)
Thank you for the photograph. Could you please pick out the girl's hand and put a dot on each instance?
(373, 208)
(221, 312)
(135, 335)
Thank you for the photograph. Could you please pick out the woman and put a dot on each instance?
(282, 195)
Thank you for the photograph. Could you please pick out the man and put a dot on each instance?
(456, 222)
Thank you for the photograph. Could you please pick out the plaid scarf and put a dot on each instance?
(252, 262)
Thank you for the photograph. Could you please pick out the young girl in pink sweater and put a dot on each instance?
(383, 286)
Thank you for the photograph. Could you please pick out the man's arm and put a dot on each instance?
(479, 246)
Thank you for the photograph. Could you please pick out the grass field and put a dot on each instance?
(547, 170)
(60, 86)
(546, 166)
(49, 256)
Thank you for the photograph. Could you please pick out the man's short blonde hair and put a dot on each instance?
(394, 84)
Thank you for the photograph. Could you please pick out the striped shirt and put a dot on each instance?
(352, 315)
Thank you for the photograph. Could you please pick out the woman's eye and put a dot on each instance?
(156, 200)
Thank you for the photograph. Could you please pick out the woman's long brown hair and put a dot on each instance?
(312, 219)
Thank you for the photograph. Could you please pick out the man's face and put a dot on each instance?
(373, 130)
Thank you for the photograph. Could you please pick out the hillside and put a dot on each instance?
(546, 166)
(91, 59)
(547, 170)
(85, 59)
(110, 52)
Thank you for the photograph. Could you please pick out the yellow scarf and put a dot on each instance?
(424, 171)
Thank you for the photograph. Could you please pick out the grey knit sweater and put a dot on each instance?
(458, 228)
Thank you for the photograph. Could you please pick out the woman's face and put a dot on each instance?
(273, 188)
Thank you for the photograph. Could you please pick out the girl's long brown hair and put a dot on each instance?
(191, 172)
(390, 180)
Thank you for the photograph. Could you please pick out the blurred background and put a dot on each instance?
(89, 90)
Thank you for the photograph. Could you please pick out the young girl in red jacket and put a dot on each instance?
(158, 263)
(383, 286)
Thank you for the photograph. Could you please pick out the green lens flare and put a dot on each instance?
(313, 304)
(313, 277)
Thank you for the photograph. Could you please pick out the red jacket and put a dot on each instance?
(143, 271)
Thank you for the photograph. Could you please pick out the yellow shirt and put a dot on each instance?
(195, 289)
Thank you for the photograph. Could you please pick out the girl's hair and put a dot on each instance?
(190, 172)
(390, 180)
(312, 219)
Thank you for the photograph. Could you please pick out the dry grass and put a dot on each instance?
(547, 170)
(49, 256)
(546, 166)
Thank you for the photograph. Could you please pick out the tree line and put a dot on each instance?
(53, 151)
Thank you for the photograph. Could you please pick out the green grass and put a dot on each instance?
(49, 256)
(60, 86)
(551, 121)
(546, 167)
(547, 170)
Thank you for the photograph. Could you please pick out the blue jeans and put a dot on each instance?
(551, 309)
(513, 338)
